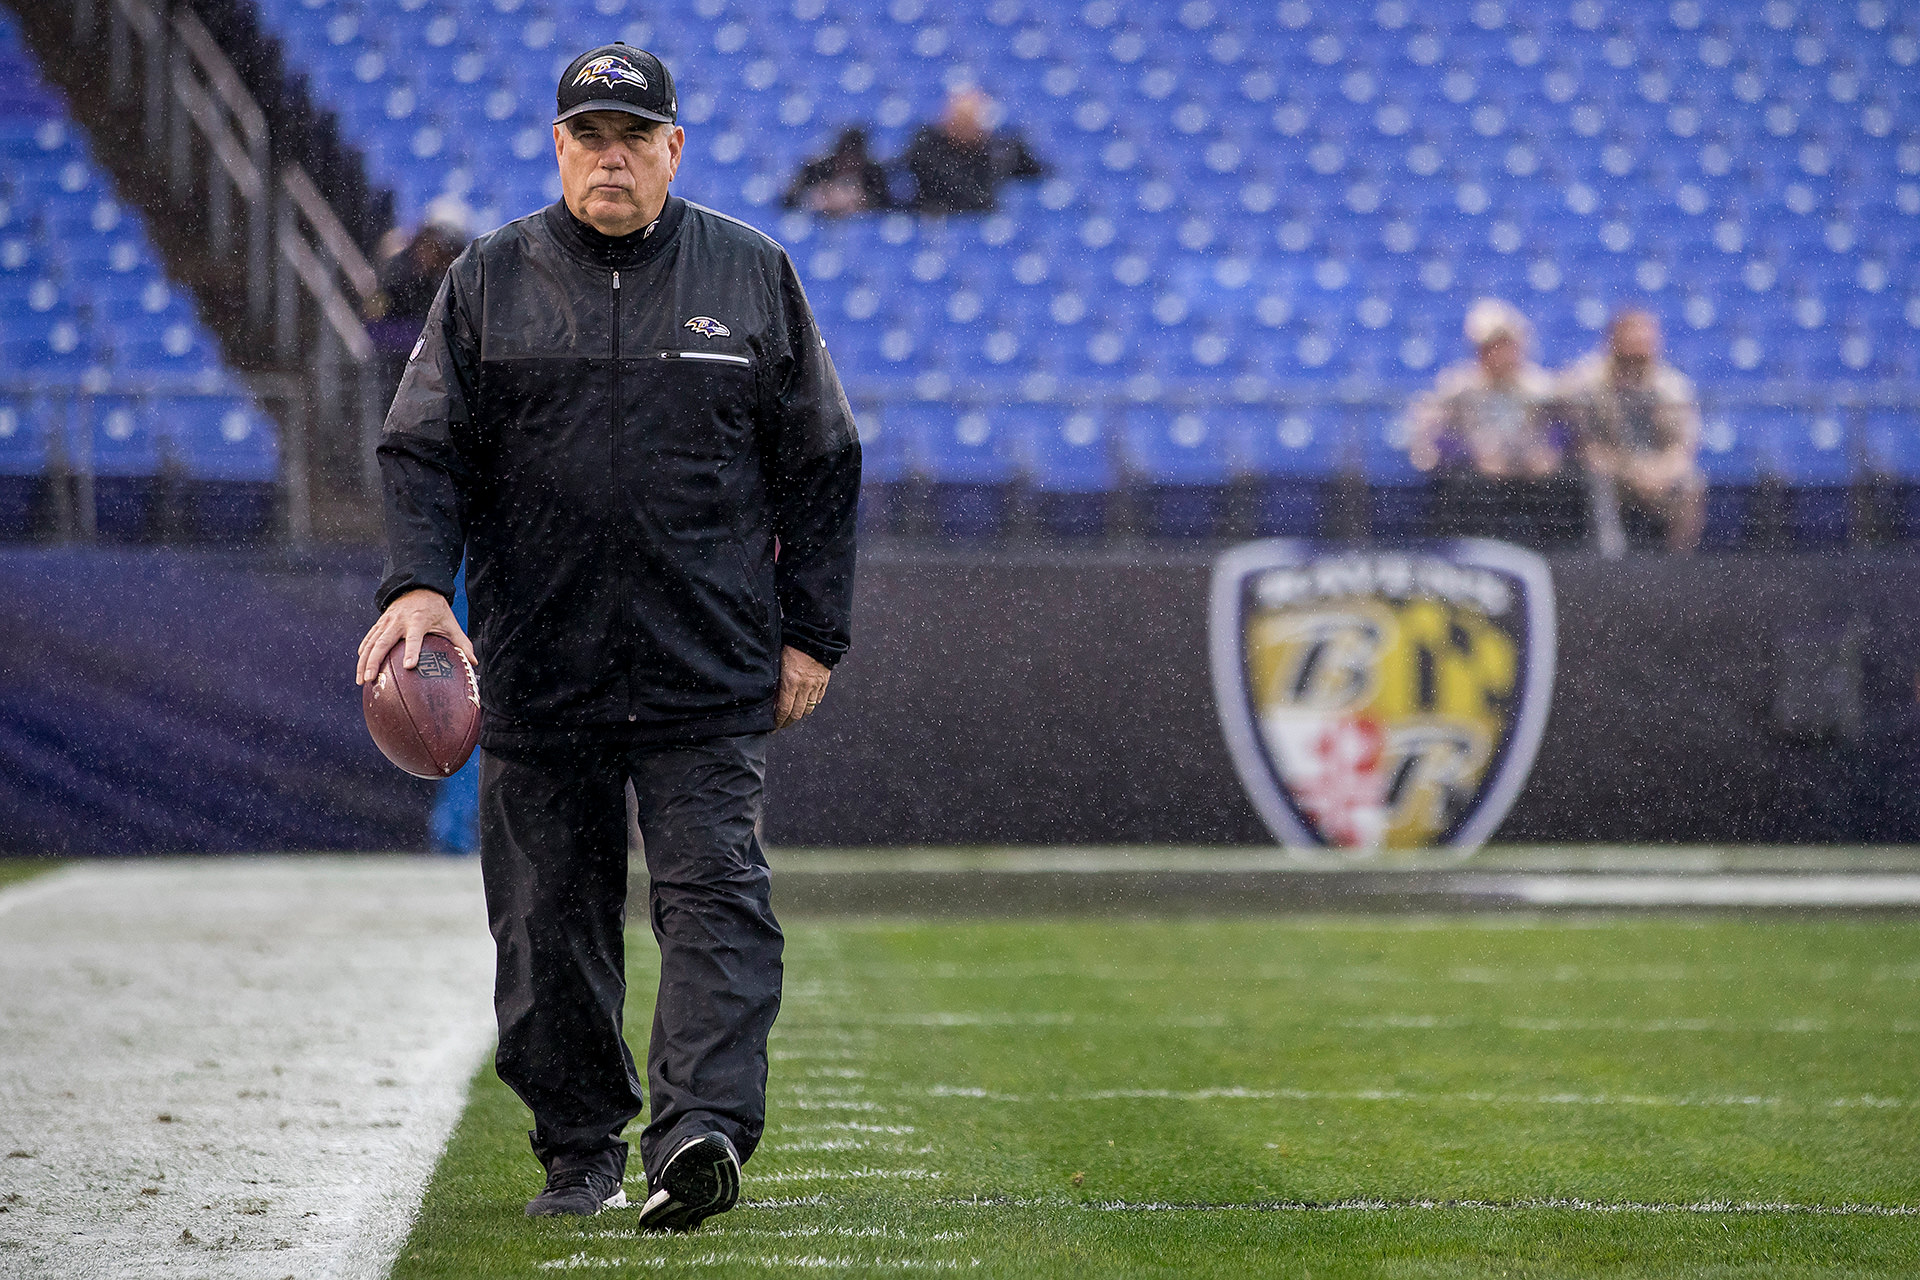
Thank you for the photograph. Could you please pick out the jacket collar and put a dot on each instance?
(614, 253)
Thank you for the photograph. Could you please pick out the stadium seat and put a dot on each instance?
(1181, 459)
(1731, 455)
(1810, 453)
(228, 458)
(1069, 462)
(1292, 453)
(965, 455)
(1890, 441)
(1400, 493)
(120, 440)
(25, 451)
(90, 324)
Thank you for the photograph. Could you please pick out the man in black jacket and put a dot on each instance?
(959, 162)
(621, 413)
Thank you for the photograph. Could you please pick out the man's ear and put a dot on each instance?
(676, 143)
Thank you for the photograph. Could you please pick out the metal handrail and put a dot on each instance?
(340, 317)
(331, 232)
(303, 273)
(250, 122)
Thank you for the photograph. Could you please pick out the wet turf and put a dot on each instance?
(1624, 1095)
(14, 870)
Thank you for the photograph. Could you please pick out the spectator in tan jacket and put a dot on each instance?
(1640, 429)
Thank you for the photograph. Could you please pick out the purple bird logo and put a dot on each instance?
(610, 70)
(708, 327)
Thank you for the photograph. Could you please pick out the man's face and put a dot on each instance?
(1636, 343)
(1500, 357)
(615, 167)
(966, 118)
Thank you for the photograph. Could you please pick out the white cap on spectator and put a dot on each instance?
(1490, 318)
(450, 214)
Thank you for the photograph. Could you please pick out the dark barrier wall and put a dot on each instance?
(1054, 700)
(156, 701)
(162, 701)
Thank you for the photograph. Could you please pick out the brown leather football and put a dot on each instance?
(426, 720)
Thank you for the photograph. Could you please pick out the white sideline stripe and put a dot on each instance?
(310, 1024)
(1523, 1205)
(1702, 891)
(1656, 1026)
(1235, 1093)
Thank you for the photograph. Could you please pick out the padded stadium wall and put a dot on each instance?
(157, 701)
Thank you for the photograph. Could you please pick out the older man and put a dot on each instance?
(620, 412)
(1640, 428)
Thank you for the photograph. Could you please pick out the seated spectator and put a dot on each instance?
(1486, 430)
(1640, 430)
(959, 163)
(845, 180)
(1488, 413)
(409, 279)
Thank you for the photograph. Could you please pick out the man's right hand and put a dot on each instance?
(411, 617)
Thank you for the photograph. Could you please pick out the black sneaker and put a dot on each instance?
(700, 1179)
(577, 1193)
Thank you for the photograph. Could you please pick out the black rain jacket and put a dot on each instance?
(615, 433)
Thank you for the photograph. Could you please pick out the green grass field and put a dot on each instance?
(1289, 1096)
(14, 870)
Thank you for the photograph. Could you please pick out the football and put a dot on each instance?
(426, 720)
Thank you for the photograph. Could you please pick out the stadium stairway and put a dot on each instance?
(121, 415)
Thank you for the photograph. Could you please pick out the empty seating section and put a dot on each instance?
(105, 369)
(1255, 210)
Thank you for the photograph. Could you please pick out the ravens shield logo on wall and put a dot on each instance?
(1382, 701)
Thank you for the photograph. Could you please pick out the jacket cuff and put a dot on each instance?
(825, 655)
(396, 585)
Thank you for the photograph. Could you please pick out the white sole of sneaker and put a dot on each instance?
(675, 1215)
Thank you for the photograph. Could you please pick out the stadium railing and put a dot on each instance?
(1787, 465)
(304, 276)
(154, 458)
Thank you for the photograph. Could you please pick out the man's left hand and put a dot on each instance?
(803, 682)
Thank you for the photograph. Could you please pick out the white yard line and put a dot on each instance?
(1524, 1205)
(232, 1067)
(1701, 891)
(1238, 1093)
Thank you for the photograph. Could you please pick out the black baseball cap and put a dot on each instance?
(617, 77)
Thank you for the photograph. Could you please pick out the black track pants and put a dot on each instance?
(553, 851)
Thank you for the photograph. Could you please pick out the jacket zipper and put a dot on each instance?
(613, 450)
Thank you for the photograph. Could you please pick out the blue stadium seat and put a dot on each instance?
(1811, 454)
(1181, 457)
(47, 349)
(1890, 440)
(25, 451)
(1293, 453)
(228, 454)
(965, 454)
(1069, 460)
(1399, 491)
(1731, 456)
(123, 446)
